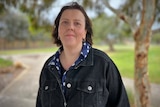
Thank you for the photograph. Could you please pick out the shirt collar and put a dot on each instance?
(84, 52)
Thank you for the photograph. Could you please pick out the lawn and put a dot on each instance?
(28, 51)
(5, 63)
(123, 58)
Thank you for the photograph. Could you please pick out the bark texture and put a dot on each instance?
(142, 41)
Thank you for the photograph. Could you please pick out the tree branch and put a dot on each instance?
(122, 16)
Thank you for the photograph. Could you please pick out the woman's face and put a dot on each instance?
(71, 28)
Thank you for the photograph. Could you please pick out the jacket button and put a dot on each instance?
(69, 85)
(89, 88)
(65, 104)
(46, 87)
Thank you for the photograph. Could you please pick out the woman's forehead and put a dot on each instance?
(72, 13)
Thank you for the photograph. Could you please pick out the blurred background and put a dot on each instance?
(28, 23)
(26, 27)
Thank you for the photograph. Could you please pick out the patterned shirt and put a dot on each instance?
(56, 61)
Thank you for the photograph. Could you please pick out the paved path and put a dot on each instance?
(22, 91)
(155, 91)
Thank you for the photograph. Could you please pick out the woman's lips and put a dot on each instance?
(70, 35)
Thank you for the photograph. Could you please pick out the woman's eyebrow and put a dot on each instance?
(64, 19)
(77, 19)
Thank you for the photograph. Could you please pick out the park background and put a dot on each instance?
(27, 29)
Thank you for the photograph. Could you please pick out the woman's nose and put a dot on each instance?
(71, 26)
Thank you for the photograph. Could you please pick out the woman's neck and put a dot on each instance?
(69, 55)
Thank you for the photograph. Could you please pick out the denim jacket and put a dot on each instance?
(95, 82)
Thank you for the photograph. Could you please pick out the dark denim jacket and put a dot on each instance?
(95, 82)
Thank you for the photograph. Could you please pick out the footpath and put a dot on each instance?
(22, 91)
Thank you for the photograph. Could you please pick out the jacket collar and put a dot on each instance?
(89, 60)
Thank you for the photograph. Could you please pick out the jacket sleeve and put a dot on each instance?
(117, 93)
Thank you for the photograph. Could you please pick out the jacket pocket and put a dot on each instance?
(89, 87)
(47, 89)
(49, 86)
(91, 93)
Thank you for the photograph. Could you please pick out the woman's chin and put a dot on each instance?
(69, 44)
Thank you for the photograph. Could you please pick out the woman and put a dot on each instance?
(78, 75)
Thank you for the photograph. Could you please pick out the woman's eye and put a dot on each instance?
(77, 23)
(65, 22)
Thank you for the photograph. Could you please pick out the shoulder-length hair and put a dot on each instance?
(88, 24)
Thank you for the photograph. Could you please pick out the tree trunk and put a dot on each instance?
(141, 78)
(111, 47)
(142, 41)
(142, 35)
(110, 44)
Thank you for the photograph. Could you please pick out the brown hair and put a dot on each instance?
(88, 24)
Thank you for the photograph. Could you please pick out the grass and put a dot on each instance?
(123, 58)
(154, 63)
(5, 63)
(27, 51)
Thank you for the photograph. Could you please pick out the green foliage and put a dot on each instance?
(105, 28)
(157, 10)
(23, 8)
(5, 63)
(16, 27)
(125, 31)
(102, 26)
(2, 9)
(47, 3)
(32, 8)
(33, 22)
